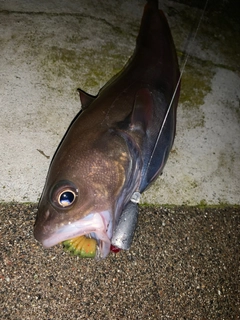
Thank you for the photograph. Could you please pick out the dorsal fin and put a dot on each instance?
(85, 98)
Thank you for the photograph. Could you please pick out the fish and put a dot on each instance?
(115, 148)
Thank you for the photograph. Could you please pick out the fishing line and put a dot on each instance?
(191, 44)
(177, 85)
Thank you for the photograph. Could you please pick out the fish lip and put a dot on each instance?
(98, 224)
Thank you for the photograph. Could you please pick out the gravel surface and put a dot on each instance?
(183, 264)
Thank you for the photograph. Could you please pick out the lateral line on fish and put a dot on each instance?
(176, 88)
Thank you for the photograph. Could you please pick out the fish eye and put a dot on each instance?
(63, 194)
(66, 198)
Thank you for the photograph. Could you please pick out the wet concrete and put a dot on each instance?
(183, 264)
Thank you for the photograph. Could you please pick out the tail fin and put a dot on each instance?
(152, 3)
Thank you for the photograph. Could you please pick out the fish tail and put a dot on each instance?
(152, 3)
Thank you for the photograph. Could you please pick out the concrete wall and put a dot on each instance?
(50, 48)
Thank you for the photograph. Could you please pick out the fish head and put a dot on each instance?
(82, 193)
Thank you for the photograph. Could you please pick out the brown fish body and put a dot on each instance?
(117, 145)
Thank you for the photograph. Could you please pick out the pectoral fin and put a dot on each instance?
(142, 113)
(160, 152)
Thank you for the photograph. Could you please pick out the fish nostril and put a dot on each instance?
(41, 216)
(46, 214)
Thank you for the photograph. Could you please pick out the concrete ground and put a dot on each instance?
(183, 265)
(50, 48)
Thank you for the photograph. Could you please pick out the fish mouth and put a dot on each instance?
(94, 225)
